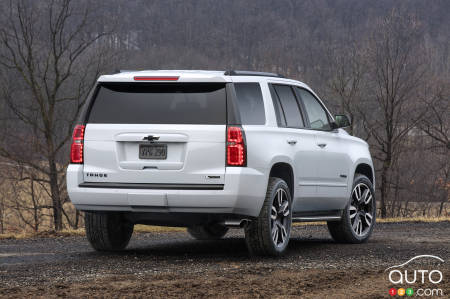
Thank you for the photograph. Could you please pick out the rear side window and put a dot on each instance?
(250, 102)
(158, 103)
(289, 106)
(281, 121)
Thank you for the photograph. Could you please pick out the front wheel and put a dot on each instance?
(269, 234)
(358, 218)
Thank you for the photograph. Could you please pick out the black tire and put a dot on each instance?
(258, 233)
(343, 231)
(208, 232)
(107, 231)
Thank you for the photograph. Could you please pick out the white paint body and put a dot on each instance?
(196, 152)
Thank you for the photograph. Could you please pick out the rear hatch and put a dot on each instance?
(156, 133)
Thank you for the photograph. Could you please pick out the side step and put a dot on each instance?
(317, 216)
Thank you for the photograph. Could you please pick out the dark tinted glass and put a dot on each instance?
(290, 106)
(177, 103)
(281, 121)
(317, 115)
(250, 102)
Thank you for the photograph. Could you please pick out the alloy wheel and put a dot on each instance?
(361, 209)
(280, 224)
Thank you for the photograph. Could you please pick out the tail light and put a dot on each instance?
(156, 78)
(76, 149)
(236, 151)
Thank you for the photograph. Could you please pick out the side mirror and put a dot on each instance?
(341, 121)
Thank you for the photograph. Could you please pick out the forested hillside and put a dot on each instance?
(384, 63)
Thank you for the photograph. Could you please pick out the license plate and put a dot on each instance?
(153, 151)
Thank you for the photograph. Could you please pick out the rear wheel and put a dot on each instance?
(359, 215)
(208, 232)
(269, 233)
(107, 231)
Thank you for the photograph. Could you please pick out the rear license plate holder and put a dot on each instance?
(156, 151)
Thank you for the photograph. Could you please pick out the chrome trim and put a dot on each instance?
(151, 186)
(324, 184)
(316, 218)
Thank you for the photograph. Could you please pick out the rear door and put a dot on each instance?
(297, 142)
(156, 133)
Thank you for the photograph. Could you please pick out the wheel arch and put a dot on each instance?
(365, 169)
(284, 170)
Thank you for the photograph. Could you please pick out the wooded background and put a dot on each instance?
(384, 63)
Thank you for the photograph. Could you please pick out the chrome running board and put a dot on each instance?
(315, 218)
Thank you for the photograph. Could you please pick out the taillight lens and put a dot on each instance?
(236, 154)
(156, 78)
(76, 149)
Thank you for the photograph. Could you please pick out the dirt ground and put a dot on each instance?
(175, 265)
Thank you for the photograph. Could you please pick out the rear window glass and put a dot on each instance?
(290, 106)
(281, 121)
(175, 103)
(250, 102)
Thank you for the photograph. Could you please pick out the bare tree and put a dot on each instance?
(398, 69)
(436, 125)
(2, 206)
(348, 70)
(50, 58)
(436, 122)
(29, 212)
(52, 50)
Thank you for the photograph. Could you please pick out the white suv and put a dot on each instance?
(210, 150)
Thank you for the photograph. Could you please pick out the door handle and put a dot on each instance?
(321, 145)
(292, 142)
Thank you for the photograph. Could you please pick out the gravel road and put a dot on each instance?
(174, 264)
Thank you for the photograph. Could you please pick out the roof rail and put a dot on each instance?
(251, 73)
(124, 71)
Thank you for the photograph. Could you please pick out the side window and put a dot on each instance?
(289, 106)
(281, 120)
(250, 102)
(317, 115)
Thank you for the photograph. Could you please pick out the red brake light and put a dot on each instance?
(235, 147)
(154, 78)
(76, 149)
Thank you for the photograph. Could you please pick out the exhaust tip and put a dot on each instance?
(236, 223)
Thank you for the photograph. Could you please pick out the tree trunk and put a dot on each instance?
(441, 207)
(35, 207)
(1, 221)
(398, 204)
(384, 188)
(405, 211)
(77, 219)
(56, 196)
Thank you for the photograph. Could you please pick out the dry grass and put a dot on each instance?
(81, 232)
(157, 229)
(414, 219)
(15, 236)
(46, 233)
(164, 229)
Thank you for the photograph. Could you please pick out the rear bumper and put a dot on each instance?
(242, 194)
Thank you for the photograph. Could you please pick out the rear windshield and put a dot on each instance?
(157, 103)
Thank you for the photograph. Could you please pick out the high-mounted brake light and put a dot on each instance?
(236, 152)
(154, 78)
(76, 149)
